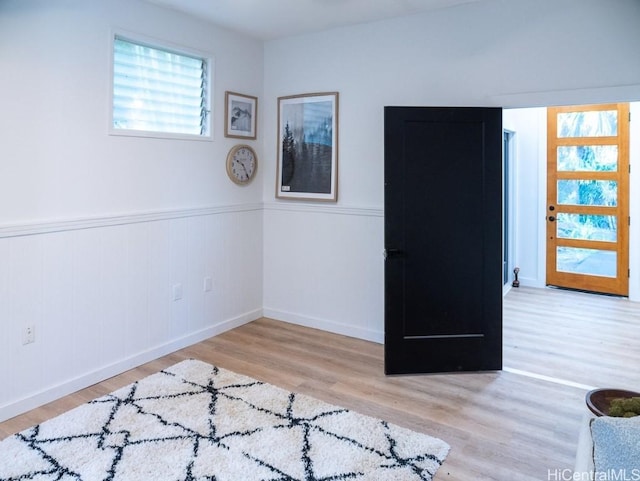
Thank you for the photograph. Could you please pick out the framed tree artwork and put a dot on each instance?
(240, 114)
(308, 147)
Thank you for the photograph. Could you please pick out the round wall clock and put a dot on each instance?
(242, 164)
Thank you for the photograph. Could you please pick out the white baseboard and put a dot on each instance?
(325, 325)
(52, 393)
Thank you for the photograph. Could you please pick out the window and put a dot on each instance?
(159, 92)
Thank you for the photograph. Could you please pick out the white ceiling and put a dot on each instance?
(270, 19)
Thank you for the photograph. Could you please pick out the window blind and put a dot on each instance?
(158, 90)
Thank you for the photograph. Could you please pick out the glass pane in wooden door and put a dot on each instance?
(590, 123)
(593, 262)
(587, 227)
(588, 158)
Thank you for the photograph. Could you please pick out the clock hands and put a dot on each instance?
(243, 167)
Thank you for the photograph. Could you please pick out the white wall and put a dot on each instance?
(58, 161)
(491, 53)
(530, 157)
(96, 229)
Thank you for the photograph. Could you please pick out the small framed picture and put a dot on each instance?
(241, 113)
(308, 147)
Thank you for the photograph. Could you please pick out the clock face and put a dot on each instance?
(242, 163)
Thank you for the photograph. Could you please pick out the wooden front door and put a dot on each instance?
(588, 198)
(443, 239)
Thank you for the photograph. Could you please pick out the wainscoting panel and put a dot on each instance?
(324, 268)
(101, 294)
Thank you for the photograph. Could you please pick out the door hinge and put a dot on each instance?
(629, 220)
(629, 273)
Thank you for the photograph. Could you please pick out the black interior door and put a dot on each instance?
(443, 239)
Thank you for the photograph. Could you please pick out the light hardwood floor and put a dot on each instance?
(501, 426)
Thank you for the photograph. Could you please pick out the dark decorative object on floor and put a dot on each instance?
(599, 400)
(516, 282)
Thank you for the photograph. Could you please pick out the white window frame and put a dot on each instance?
(168, 46)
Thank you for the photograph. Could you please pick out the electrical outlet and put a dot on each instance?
(207, 284)
(177, 292)
(29, 334)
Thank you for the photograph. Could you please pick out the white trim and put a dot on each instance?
(325, 325)
(52, 393)
(509, 162)
(580, 96)
(324, 209)
(634, 202)
(62, 225)
(46, 227)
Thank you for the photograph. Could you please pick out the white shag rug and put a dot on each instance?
(194, 421)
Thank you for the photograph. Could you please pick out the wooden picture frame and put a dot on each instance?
(308, 147)
(241, 116)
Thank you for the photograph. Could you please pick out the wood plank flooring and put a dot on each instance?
(585, 338)
(500, 425)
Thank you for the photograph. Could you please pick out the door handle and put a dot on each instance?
(389, 253)
(551, 218)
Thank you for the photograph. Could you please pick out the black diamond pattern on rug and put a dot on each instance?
(194, 421)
